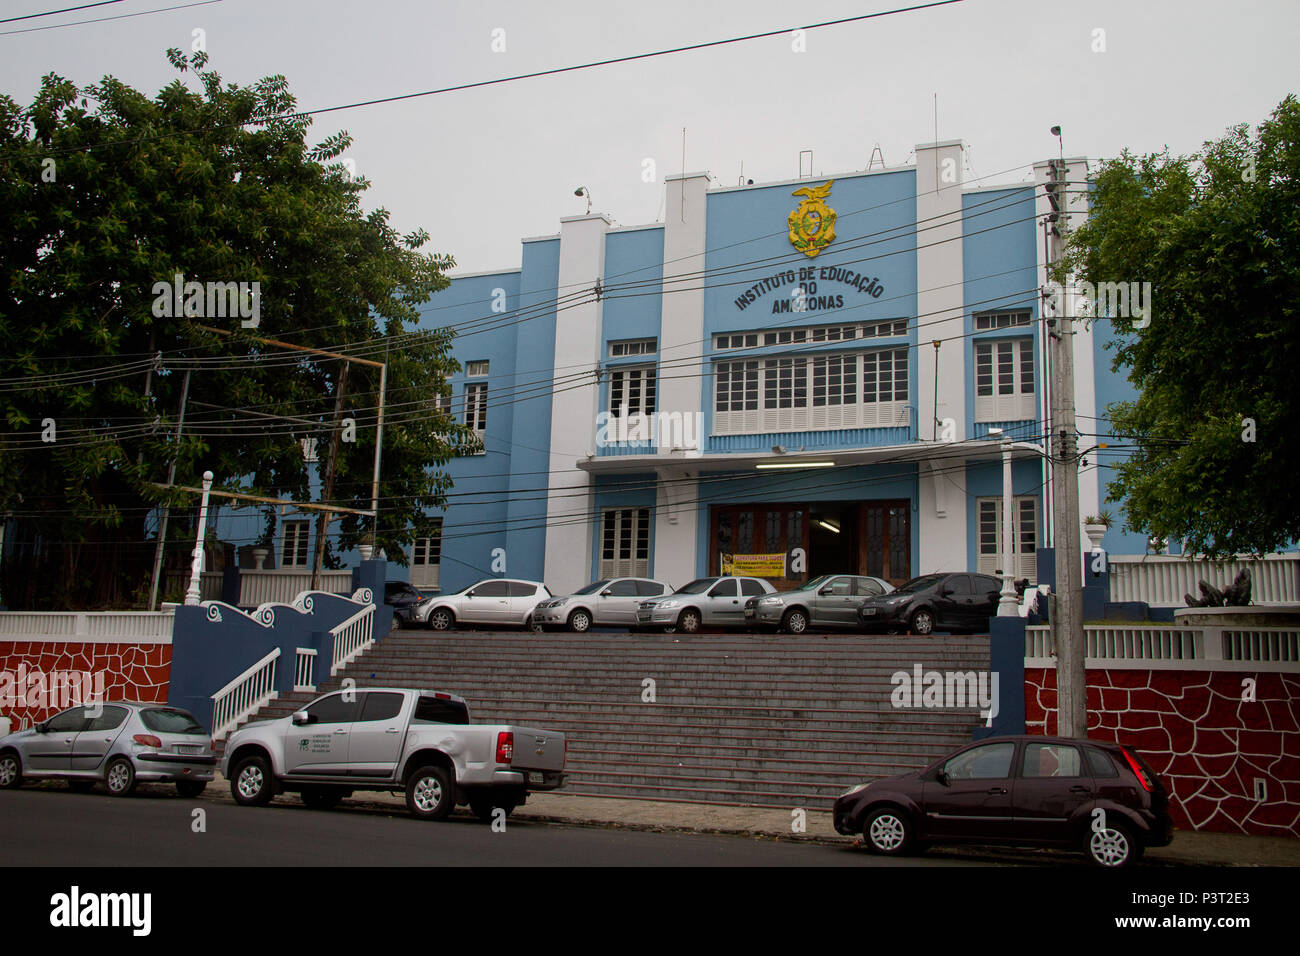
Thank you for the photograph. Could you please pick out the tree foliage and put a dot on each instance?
(1217, 235)
(105, 192)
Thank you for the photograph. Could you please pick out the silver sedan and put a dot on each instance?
(709, 602)
(119, 744)
(830, 600)
(610, 602)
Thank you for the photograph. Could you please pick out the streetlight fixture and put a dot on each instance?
(1008, 606)
(584, 191)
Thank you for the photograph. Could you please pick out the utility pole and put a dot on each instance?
(327, 486)
(1067, 615)
(166, 510)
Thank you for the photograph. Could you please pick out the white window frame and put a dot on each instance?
(625, 348)
(477, 369)
(1015, 318)
(1024, 529)
(624, 380)
(999, 362)
(426, 559)
(624, 543)
(784, 391)
(476, 394)
(295, 533)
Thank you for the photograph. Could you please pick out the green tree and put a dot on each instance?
(105, 192)
(1217, 234)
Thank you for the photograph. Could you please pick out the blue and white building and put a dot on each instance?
(642, 391)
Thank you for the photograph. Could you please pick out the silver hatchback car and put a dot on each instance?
(119, 743)
(706, 602)
(828, 601)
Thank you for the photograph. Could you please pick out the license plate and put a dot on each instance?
(749, 612)
(536, 777)
(868, 611)
(189, 749)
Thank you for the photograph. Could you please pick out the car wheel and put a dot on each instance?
(120, 778)
(689, 621)
(441, 619)
(579, 621)
(888, 831)
(321, 798)
(794, 622)
(11, 770)
(397, 623)
(429, 793)
(1112, 847)
(81, 786)
(484, 807)
(528, 623)
(189, 789)
(251, 784)
(922, 622)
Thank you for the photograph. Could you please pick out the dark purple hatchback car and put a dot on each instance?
(1097, 797)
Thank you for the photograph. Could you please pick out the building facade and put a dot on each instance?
(799, 375)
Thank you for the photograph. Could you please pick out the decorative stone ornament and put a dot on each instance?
(812, 224)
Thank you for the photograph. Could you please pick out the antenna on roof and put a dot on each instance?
(875, 151)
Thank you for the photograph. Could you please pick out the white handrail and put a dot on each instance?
(244, 695)
(305, 661)
(351, 637)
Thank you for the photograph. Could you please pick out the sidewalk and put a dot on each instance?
(1188, 848)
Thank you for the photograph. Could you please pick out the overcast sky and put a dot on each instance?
(481, 169)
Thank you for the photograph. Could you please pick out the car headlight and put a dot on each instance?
(662, 604)
(772, 599)
(852, 791)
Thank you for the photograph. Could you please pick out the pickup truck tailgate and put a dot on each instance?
(538, 749)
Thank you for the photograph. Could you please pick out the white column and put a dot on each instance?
(680, 340)
(573, 409)
(196, 564)
(940, 306)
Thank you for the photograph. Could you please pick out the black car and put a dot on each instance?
(1088, 795)
(403, 598)
(934, 602)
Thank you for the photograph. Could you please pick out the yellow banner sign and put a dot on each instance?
(754, 565)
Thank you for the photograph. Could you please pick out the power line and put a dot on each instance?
(120, 16)
(50, 13)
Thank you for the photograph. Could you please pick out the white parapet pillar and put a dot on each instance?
(196, 565)
(573, 408)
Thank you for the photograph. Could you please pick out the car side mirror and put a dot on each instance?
(469, 594)
(945, 592)
(606, 593)
(301, 717)
(942, 777)
(41, 728)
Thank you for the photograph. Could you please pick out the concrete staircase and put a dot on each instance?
(736, 719)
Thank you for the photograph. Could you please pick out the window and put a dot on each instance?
(1051, 760)
(68, 722)
(867, 587)
(110, 719)
(309, 453)
(781, 399)
(724, 589)
(380, 706)
(987, 762)
(492, 589)
(624, 542)
(744, 340)
(629, 347)
(1004, 380)
(751, 588)
(476, 414)
(649, 589)
(838, 587)
(426, 559)
(625, 588)
(1100, 764)
(521, 589)
(1024, 532)
(171, 720)
(436, 710)
(333, 710)
(632, 390)
(476, 369)
(1000, 320)
(294, 540)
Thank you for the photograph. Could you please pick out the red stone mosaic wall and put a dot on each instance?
(1206, 742)
(131, 671)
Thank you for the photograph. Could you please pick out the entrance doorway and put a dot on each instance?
(837, 537)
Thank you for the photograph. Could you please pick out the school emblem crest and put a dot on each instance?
(812, 224)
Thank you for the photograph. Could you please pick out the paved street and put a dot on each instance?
(59, 828)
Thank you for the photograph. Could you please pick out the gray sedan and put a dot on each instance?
(828, 601)
(120, 744)
(711, 602)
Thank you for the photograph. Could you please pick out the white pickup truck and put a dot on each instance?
(419, 742)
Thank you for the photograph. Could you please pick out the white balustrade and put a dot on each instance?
(1161, 580)
(352, 636)
(89, 627)
(1168, 647)
(302, 672)
(244, 696)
